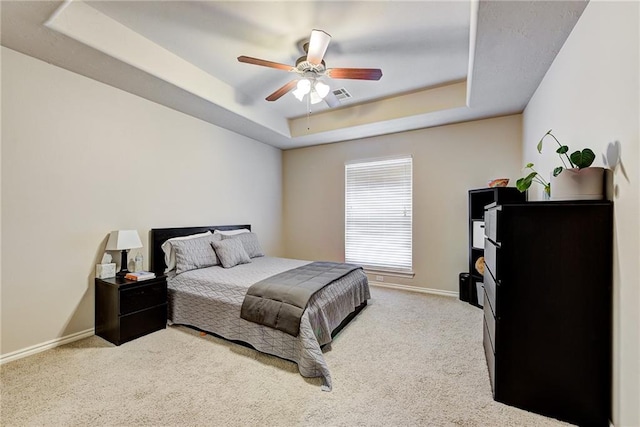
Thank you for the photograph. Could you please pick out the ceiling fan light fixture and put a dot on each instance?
(299, 95)
(321, 89)
(310, 68)
(314, 97)
(303, 86)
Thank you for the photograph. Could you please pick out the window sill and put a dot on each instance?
(391, 273)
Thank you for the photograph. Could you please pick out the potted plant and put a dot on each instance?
(524, 183)
(579, 180)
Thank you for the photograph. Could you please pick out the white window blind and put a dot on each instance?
(378, 211)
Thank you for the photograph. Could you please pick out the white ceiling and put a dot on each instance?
(442, 62)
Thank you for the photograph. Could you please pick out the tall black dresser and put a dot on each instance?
(548, 307)
(478, 199)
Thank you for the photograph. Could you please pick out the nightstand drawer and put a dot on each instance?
(143, 322)
(142, 296)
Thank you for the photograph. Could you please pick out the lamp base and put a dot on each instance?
(124, 264)
(120, 274)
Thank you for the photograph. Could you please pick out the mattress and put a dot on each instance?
(211, 299)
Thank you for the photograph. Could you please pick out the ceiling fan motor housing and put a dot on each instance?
(303, 66)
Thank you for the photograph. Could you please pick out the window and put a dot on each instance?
(378, 214)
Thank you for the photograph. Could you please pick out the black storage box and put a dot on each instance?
(464, 287)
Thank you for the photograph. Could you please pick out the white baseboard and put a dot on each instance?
(38, 348)
(415, 289)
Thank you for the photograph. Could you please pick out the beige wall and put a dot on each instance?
(447, 162)
(590, 98)
(80, 159)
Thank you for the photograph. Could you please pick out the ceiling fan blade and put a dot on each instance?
(264, 63)
(332, 100)
(282, 91)
(354, 73)
(318, 44)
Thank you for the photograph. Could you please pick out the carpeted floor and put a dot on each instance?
(408, 359)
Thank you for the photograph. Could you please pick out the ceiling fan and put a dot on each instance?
(310, 69)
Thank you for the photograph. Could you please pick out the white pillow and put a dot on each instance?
(170, 253)
(231, 232)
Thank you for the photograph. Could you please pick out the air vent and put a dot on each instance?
(342, 94)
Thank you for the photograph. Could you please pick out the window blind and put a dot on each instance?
(378, 213)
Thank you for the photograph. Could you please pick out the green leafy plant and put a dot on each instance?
(577, 159)
(524, 183)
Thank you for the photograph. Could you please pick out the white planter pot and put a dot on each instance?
(578, 184)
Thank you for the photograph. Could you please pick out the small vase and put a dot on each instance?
(138, 262)
(578, 184)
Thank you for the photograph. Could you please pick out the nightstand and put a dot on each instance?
(126, 309)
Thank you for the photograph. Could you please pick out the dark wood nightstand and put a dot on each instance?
(126, 309)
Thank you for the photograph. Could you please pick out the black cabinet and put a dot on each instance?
(126, 309)
(547, 307)
(478, 199)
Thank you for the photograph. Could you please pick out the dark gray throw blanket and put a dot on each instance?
(279, 301)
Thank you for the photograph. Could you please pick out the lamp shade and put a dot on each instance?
(123, 239)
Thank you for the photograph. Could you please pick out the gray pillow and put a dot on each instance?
(195, 253)
(250, 243)
(230, 252)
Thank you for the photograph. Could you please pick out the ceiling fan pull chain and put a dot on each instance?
(309, 111)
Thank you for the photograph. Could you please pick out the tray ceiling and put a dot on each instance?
(442, 62)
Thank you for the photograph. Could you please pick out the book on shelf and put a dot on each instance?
(140, 275)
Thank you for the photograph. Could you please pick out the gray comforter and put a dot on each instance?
(211, 298)
(279, 301)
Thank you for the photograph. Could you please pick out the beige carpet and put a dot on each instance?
(408, 359)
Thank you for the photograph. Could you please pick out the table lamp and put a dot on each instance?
(123, 240)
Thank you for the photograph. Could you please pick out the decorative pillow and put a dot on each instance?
(195, 253)
(231, 232)
(250, 243)
(230, 252)
(169, 253)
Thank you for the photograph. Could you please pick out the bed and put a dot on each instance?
(210, 299)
